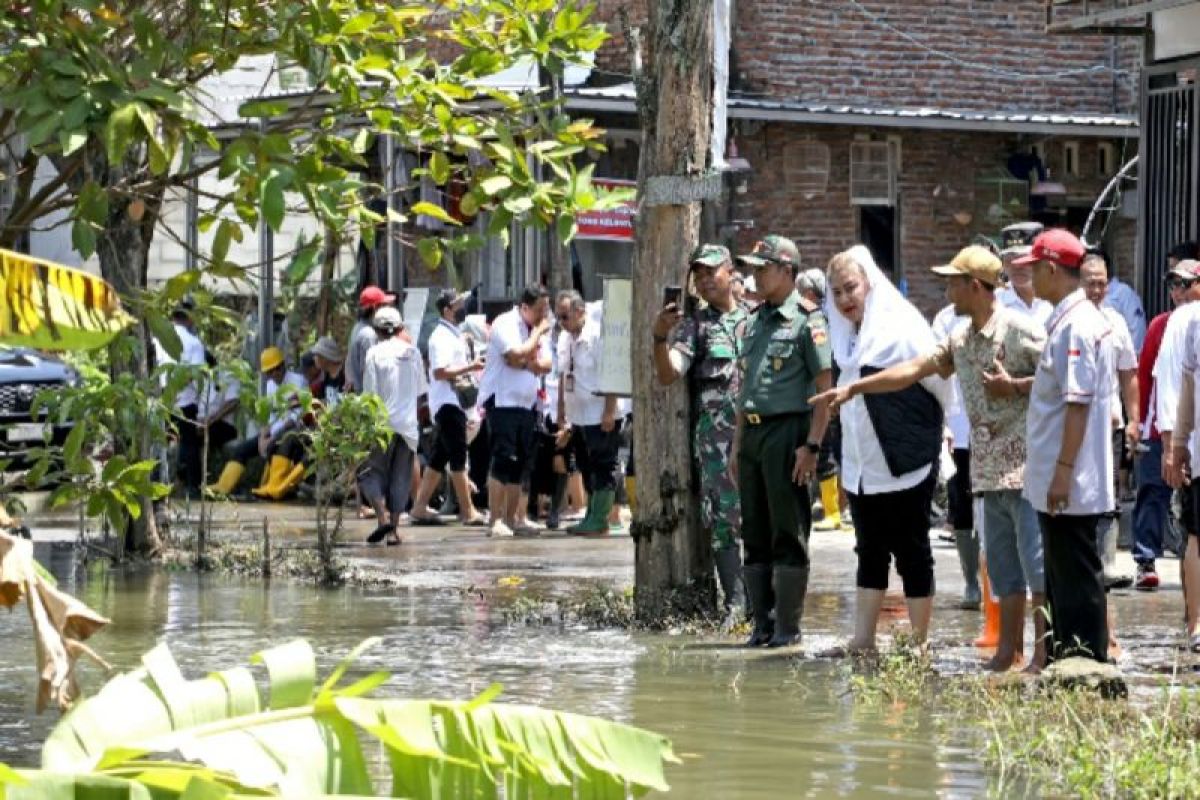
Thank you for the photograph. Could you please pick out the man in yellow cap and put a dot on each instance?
(283, 462)
(995, 358)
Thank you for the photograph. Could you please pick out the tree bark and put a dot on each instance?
(123, 248)
(673, 573)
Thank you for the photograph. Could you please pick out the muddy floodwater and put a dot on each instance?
(745, 726)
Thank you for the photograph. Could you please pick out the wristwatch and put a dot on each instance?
(813, 447)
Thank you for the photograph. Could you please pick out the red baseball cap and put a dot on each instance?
(1057, 246)
(373, 297)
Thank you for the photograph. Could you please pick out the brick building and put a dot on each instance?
(908, 125)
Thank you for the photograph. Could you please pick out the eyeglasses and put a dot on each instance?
(1180, 283)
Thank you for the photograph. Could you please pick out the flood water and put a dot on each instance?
(745, 727)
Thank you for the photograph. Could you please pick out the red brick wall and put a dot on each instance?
(939, 179)
(828, 50)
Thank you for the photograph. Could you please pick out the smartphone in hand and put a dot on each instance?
(672, 295)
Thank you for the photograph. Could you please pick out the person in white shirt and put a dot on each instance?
(452, 363)
(1015, 242)
(518, 356)
(272, 442)
(1175, 374)
(394, 372)
(872, 327)
(1094, 278)
(584, 413)
(1068, 478)
(191, 355)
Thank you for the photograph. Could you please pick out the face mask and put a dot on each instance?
(460, 316)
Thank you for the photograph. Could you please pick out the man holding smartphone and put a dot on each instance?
(705, 348)
(785, 353)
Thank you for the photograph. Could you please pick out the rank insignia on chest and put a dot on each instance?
(778, 364)
(819, 336)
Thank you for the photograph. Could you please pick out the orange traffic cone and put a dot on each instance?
(990, 635)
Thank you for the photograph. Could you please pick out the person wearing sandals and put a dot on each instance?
(891, 443)
(392, 371)
(452, 393)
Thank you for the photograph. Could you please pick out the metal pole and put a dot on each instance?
(395, 263)
(192, 232)
(266, 285)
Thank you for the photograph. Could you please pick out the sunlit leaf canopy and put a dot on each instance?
(220, 736)
(47, 306)
(118, 98)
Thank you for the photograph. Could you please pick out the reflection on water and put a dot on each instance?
(745, 728)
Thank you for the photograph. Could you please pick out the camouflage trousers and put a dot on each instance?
(720, 504)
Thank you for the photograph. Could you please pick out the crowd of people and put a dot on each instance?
(1038, 394)
(500, 418)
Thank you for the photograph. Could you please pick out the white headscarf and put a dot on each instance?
(892, 329)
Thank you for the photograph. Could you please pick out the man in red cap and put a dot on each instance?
(1070, 460)
(363, 336)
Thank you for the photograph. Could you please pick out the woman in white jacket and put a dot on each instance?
(885, 472)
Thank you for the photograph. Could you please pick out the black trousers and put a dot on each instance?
(776, 512)
(958, 492)
(189, 448)
(601, 451)
(450, 440)
(894, 524)
(1074, 587)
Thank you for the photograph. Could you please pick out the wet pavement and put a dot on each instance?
(746, 725)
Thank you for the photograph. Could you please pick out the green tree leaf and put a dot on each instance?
(431, 252)
(433, 210)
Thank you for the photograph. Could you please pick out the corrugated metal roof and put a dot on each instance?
(621, 97)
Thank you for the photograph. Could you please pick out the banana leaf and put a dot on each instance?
(47, 306)
(308, 741)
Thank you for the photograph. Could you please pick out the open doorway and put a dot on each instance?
(879, 230)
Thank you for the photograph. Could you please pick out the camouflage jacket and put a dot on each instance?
(710, 343)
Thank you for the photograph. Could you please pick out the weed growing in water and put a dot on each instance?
(1059, 739)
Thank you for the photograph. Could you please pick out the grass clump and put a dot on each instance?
(1041, 738)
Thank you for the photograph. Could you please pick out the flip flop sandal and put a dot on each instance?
(426, 521)
(1194, 643)
(380, 533)
(475, 522)
(394, 541)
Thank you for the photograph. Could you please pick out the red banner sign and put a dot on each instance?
(613, 224)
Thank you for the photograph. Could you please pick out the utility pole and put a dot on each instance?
(674, 571)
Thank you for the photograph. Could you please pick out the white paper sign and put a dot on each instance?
(616, 350)
(415, 303)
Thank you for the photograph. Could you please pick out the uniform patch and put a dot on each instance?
(819, 336)
(1074, 352)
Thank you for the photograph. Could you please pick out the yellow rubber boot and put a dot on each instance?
(829, 501)
(290, 481)
(631, 493)
(276, 473)
(230, 476)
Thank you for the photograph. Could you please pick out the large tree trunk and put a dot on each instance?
(123, 248)
(674, 558)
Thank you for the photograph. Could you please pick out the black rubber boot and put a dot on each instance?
(556, 500)
(729, 575)
(758, 589)
(791, 584)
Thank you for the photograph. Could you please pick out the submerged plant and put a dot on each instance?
(153, 733)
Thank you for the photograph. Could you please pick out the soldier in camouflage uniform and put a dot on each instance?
(705, 349)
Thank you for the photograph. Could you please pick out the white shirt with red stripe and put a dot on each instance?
(1077, 368)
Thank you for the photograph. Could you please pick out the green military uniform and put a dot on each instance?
(709, 342)
(784, 349)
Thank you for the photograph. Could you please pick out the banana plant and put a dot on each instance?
(152, 733)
